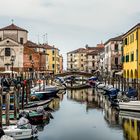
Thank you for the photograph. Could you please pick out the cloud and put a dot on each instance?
(71, 23)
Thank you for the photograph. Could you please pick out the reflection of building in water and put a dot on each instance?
(131, 128)
(55, 104)
(111, 115)
(61, 96)
(83, 96)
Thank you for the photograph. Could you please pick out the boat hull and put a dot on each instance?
(130, 106)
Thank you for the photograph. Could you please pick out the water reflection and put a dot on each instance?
(130, 124)
(86, 96)
(69, 115)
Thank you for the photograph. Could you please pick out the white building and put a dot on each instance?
(12, 39)
(113, 54)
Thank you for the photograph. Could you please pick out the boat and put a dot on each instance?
(131, 92)
(35, 104)
(92, 81)
(130, 106)
(42, 87)
(23, 130)
(100, 85)
(129, 114)
(36, 117)
(43, 95)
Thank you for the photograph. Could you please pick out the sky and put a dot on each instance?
(71, 24)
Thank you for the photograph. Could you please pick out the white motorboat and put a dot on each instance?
(23, 130)
(44, 88)
(130, 106)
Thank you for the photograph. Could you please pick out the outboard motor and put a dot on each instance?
(24, 114)
(40, 109)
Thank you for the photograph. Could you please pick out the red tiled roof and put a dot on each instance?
(80, 50)
(46, 46)
(118, 38)
(100, 45)
(95, 52)
(31, 44)
(13, 27)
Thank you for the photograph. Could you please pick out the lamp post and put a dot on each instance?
(32, 63)
(12, 63)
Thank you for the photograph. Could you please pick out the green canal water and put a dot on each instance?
(86, 115)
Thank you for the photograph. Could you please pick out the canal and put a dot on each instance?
(86, 115)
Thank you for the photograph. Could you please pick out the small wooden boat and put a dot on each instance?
(130, 106)
(34, 104)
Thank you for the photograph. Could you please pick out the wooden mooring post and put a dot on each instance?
(23, 91)
(18, 95)
(1, 100)
(15, 103)
(7, 108)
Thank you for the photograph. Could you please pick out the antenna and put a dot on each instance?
(38, 38)
(46, 38)
(43, 39)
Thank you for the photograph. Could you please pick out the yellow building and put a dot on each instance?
(53, 58)
(131, 49)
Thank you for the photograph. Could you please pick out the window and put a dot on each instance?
(81, 54)
(21, 40)
(107, 49)
(0, 39)
(93, 56)
(116, 60)
(71, 54)
(127, 58)
(53, 66)
(53, 52)
(81, 59)
(53, 58)
(30, 57)
(7, 52)
(123, 59)
(136, 54)
(125, 41)
(82, 65)
(93, 64)
(128, 40)
(116, 47)
(132, 56)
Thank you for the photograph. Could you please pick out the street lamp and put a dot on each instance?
(12, 63)
(32, 63)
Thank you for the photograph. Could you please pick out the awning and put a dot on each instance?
(119, 73)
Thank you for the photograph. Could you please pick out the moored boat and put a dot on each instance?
(23, 130)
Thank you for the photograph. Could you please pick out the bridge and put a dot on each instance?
(78, 73)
